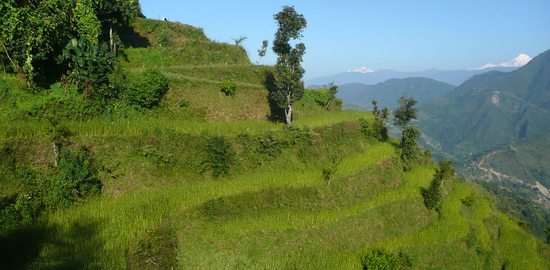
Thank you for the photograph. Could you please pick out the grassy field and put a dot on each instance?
(160, 208)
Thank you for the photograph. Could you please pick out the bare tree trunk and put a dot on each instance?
(288, 110)
(111, 42)
(8, 55)
(55, 154)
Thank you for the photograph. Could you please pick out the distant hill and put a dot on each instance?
(387, 93)
(497, 119)
(454, 77)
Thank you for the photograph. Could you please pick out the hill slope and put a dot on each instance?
(388, 92)
(318, 195)
(497, 125)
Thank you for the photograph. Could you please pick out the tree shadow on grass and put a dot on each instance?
(48, 247)
(276, 113)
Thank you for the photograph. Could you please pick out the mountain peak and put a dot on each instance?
(362, 69)
(518, 61)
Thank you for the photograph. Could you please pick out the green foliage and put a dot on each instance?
(9, 219)
(76, 178)
(288, 70)
(148, 90)
(406, 111)
(409, 148)
(326, 98)
(263, 50)
(375, 129)
(220, 156)
(184, 103)
(379, 259)
(433, 195)
(165, 38)
(87, 23)
(154, 154)
(228, 87)
(88, 64)
(61, 103)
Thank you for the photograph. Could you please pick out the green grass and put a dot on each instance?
(271, 212)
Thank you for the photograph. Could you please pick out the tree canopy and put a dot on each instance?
(288, 70)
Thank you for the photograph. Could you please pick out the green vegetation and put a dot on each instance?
(148, 90)
(228, 87)
(288, 70)
(131, 173)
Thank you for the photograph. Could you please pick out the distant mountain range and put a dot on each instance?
(358, 95)
(455, 77)
(497, 124)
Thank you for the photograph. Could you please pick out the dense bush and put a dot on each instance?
(228, 87)
(432, 195)
(220, 156)
(375, 129)
(148, 90)
(325, 98)
(89, 64)
(77, 178)
(381, 260)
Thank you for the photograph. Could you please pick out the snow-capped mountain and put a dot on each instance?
(518, 61)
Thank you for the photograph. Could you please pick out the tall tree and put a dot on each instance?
(288, 70)
(406, 111)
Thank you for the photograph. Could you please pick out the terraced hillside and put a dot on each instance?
(217, 186)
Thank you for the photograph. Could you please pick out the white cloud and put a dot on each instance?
(518, 61)
(362, 70)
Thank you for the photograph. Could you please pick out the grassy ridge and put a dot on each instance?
(161, 209)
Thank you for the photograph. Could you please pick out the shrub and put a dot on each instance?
(148, 90)
(77, 177)
(377, 129)
(184, 103)
(88, 64)
(9, 219)
(220, 156)
(432, 195)
(155, 155)
(228, 87)
(382, 260)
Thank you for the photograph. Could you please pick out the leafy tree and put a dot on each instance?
(263, 50)
(432, 195)
(288, 70)
(113, 14)
(406, 111)
(409, 147)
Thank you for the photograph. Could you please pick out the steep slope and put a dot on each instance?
(195, 66)
(317, 195)
(493, 112)
(388, 92)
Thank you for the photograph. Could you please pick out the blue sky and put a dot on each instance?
(401, 35)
